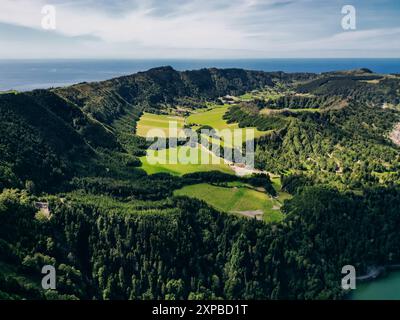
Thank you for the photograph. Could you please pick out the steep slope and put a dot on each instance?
(346, 142)
(49, 136)
(43, 136)
(361, 86)
(117, 233)
(108, 100)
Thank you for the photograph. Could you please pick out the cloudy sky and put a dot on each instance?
(199, 29)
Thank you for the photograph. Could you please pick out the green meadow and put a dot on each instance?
(160, 161)
(148, 122)
(235, 198)
(9, 92)
(214, 118)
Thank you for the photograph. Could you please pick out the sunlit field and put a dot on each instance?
(150, 125)
(236, 198)
(214, 118)
(167, 161)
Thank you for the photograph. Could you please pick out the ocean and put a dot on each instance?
(23, 75)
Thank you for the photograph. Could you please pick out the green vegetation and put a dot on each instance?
(235, 198)
(149, 121)
(164, 161)
(214, 118)
(342, 143)
(46, 140)
(247, 116)
(210, 119)
(9, 92)
(267, 111)
(192, 249)
(265, 94)
(113, 231)
(344, 148)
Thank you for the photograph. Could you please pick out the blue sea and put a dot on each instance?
(25, 75)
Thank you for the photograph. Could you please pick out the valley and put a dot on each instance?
(324, 190)
(235, 198)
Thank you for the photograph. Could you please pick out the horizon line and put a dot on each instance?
(205, 59)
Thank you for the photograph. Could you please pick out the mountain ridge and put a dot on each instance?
(91, 112)
(114, 232)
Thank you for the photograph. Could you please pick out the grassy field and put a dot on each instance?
(235, 197)
(213, 117)
(164, 157)
(9, 91)
(150, 121)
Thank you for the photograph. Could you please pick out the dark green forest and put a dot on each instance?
(114, 232)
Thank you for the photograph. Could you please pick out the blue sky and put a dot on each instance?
(199, 29)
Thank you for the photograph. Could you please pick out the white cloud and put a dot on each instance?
(197, 28)
(192, 25)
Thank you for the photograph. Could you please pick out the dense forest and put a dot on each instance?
(114, 232)
(181, 249)
(345, 144)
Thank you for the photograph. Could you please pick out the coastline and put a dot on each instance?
(30, 74)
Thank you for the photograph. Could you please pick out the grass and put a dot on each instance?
(150, 121)
(232, 197)
(211, 117)
(214, 118)
(384, 176)
(235, 197)
(247, 97)
(154, 163)
(164, 157)
(9, 91)
(268, 111)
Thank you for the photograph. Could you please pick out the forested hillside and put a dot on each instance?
(182, 249)
(114, 232)
(107, 100)
(336, 136)
(44, 139)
